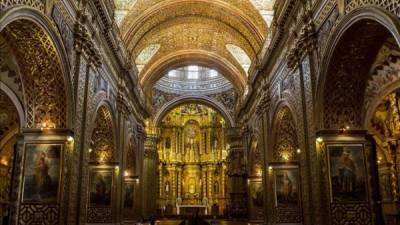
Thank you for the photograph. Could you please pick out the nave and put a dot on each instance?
(162, 111)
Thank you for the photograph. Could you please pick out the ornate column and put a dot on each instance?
(89, 60)
(204, 180)
(210, 183)
(123, 146)
(140, 149)
(264, 142)
(236, 174)
(149, 183)
(179, 170)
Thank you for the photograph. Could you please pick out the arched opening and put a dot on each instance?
(103, 168)
(130, 185)
(185, 99)
(192, 150)
(355, 96)
(286, 168)
(256, 190)
(384, 125)
(35, 94)
(9, 129)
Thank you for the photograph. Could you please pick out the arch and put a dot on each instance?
(19, 13)
(104, 110)
(383, 25)
(188, 57)
(284, 133)
(189, 99)
(129, 29)
(14, 99)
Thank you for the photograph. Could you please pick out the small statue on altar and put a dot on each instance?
(204, 201)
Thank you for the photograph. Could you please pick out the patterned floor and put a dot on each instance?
(218, 222)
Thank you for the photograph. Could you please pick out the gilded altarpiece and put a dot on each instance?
(384, 126)
(192, 154)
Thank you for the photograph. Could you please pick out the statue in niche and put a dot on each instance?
(167, 187)
(192, 187)
(191, 145)
(168, 143)
(216, 187)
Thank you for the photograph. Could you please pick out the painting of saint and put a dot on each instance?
(42, 169)
(101, 188)
(287, 187)
(347, 173)
(128, 192)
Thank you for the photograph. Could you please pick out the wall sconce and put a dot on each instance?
(319, 140)
(4, 162)
(298, 151)
(126, 173)
(285, 156)
(270, 168)
(90, 150)
(344, 128)
(70, 139)
(46, 125)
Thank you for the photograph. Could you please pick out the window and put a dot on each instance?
(172, 73)
(193, 72)
(213, 73)
(240, 55)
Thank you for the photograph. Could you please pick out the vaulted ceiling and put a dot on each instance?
(225, 35)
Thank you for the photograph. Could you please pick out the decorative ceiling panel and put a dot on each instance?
(195, 26)
(193, 33)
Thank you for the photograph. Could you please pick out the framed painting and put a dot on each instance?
(347, 172)
(287, 185)
(256, 193)
(42, 173)
(129, 189)
(100, 187)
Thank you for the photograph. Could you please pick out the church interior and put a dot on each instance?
(232, 112)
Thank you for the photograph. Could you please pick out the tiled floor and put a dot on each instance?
(218, 222)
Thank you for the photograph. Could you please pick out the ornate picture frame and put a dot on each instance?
(42, 172)
(129, 194)
(287, 190)
(101, 183)
(347, 172)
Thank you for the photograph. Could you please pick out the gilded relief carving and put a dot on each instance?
(42, 74)
(102, 141)
(192, 155)
(286, 143)
(347, 82)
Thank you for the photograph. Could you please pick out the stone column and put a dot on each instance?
(149, 181)
(236, 174)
